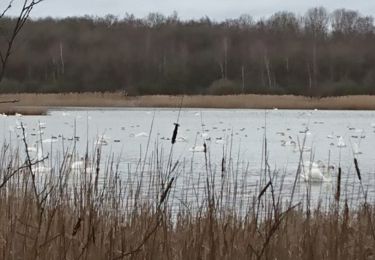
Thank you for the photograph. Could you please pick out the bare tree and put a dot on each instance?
(365, 25)
(316, 26)
(11, 36)
(344, 21)
(284, 23)
(316, 22)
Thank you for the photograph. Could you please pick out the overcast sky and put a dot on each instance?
(216, 9)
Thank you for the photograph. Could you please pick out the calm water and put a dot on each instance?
(238, 134)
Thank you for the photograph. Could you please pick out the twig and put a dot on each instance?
(8, 177)
(21, 20)
(6, 9)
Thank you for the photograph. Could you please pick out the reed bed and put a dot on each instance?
(196, 101)
(23, 110)
(103, 211)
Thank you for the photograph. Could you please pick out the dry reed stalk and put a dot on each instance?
(357, 170)
(263, 191)
(338, 186)
(85, 218)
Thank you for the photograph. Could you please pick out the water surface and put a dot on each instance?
(333, 137)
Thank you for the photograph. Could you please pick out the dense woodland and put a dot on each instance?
(317, 54)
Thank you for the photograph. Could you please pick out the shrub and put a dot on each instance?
(224, 87)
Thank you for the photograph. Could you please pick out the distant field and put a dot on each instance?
(35, 103)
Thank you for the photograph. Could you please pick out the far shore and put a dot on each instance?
(40, 103)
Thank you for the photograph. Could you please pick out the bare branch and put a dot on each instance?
(29, 164)
(6, 9)
(20, 22)
(25, 166)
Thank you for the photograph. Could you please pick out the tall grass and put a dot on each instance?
(147, 211)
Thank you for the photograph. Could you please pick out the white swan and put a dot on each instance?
(219, 140)
(102, 140)
(35, 152)
(41, 168)
(356, 149)
(205, 135)
(182, 139)
(340, 142)
(315, 172)
(40, 165)
(49, 141)
(288, 143)
(142, 134)
(42, 125)
(197, 148)
(81, 166)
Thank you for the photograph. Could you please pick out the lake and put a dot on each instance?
(138, 139)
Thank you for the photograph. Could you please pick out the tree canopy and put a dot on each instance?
(317, 54)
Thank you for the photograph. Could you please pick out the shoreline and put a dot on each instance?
(40, 103)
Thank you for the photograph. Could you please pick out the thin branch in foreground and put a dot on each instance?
(19, 24)
(25, 166)
(6, 9)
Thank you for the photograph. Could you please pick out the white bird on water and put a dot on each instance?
(288, 143)
(314, 172)
(220, 140)
(142, 134)
(356, 149)
(40, 165)
(102, 140)
(205, 135)
(41, 168)
(341, 142)
(50, 140)
(198, 148)
(81, 166)
(182, 139)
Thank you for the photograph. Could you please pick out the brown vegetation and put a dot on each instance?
(43, 101)
(91, 213)
(24, 110)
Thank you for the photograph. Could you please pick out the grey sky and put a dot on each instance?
(216, 9)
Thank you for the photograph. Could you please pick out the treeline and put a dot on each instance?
(317, 54)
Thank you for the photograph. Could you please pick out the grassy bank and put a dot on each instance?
(235, 101)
